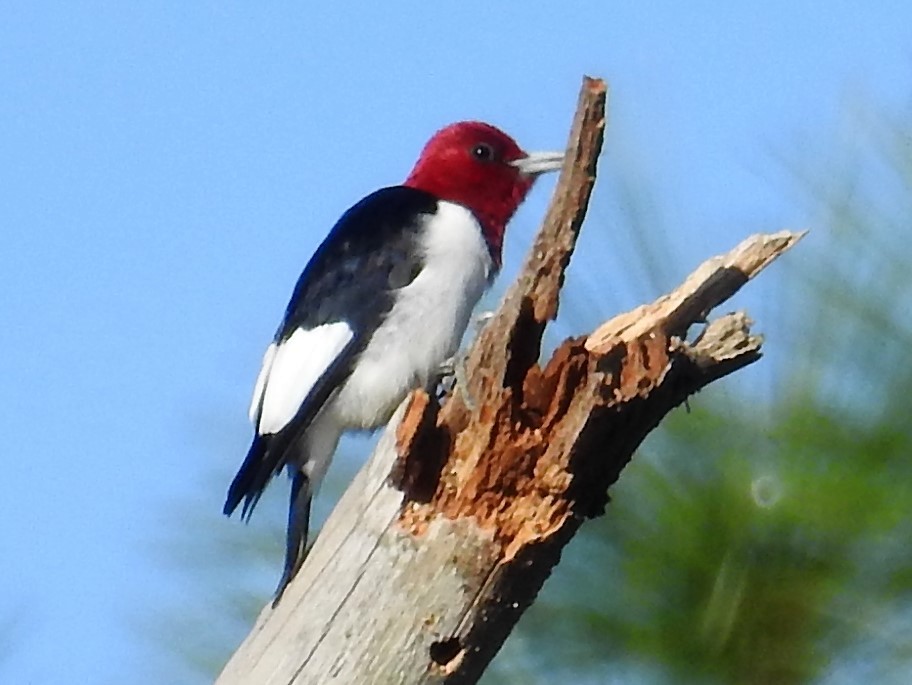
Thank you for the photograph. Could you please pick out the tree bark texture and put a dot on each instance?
(446, 535)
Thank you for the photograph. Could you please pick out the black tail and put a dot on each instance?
(267, 456)
(252, 478)
(296, 537)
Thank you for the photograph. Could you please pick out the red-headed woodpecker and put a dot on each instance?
(383, 302)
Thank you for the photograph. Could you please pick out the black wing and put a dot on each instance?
(352, 277)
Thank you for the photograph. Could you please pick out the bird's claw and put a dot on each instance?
(452, 378)
(451, 374)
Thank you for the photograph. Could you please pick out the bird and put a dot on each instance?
(379, 308)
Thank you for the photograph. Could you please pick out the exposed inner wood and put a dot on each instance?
(545, 448)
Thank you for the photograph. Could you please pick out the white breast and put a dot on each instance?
(426, 323)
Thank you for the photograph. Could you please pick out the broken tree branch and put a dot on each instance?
(447, 534)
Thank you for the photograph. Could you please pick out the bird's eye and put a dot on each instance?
(483, 152)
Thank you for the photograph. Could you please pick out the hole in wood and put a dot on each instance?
(444, 651)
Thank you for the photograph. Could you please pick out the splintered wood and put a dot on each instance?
(547, 447)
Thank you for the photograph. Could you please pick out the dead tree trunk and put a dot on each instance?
(447, 534)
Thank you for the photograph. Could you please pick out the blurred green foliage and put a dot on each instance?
(752, 540)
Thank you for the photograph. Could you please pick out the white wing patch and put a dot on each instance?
(256, 402)
(291, 369)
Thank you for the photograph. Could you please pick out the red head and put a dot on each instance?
(483, 169)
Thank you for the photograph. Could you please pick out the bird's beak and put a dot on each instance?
(536, 163)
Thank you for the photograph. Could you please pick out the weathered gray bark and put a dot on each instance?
(447, 534)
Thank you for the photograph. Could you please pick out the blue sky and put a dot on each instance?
(166, 169)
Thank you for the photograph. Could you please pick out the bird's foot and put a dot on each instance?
(452, 379)
(451, 375)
